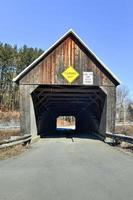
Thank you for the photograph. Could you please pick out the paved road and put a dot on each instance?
(59, 169)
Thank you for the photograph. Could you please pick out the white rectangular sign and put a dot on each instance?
(88, 78)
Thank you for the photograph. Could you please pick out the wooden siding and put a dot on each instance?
(68, 53)
(27, 115)
(48, 72)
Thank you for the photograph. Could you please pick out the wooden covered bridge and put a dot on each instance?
(67, 80)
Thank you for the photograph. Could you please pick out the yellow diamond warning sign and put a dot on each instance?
(70, 74)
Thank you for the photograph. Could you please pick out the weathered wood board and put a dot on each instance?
(48, 71)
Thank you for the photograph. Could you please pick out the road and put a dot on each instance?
(62, 169)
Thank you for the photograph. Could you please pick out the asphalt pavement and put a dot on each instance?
(66, 169)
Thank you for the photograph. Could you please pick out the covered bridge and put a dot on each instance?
(67, 80)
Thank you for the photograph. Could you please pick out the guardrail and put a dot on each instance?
(119, 137)
(12, 142)
(124, 124)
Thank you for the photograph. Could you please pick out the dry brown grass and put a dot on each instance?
(12, 151)
(6, 134)
(125, 129)
(129, 149)
(62, 122)
(126, 146)
(7, 116)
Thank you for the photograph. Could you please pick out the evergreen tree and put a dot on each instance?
(12, 62)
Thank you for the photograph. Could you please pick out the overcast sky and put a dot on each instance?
(105, 26)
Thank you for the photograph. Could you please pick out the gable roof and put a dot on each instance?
(57, 43)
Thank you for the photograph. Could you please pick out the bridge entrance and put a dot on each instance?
(67, 80)
(86, 104)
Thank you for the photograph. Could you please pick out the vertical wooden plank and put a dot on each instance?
(52, 68)
(24, 109)
(111, 108)
(64, 55)
(69, 52)
(71, 64)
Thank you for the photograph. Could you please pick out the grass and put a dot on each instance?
(6, 134)
(8, 152)
(7, 116)
(12, 151)
(124, 129)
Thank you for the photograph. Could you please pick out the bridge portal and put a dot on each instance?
(67, 80)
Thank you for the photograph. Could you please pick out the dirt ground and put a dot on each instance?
(125, 129)
(12, 151)
(9, 115)
(6, 134)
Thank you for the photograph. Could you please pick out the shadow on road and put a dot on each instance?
(70, 133)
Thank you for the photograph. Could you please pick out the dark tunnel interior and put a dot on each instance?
(86, 103)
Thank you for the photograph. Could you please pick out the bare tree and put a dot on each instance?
(130, 111)
(122, 96)
(122, 103)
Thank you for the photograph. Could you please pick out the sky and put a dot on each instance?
(105, 26)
